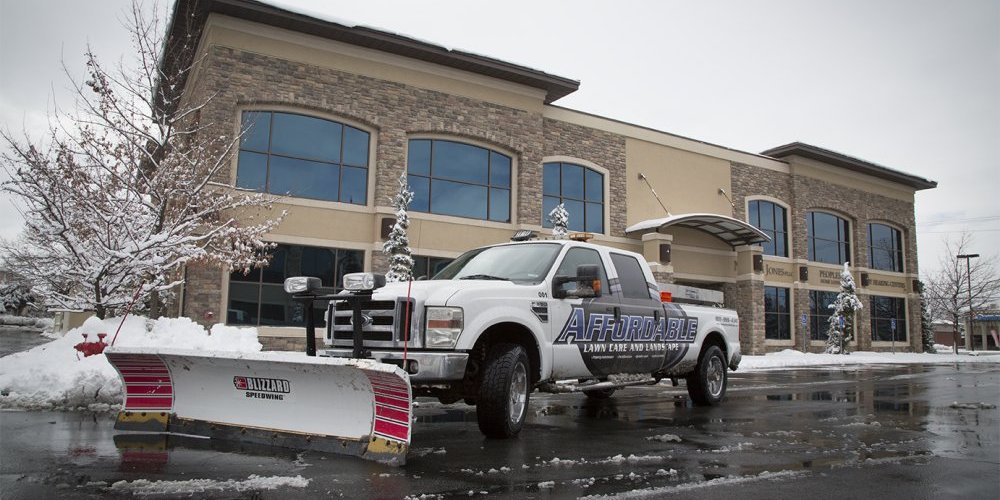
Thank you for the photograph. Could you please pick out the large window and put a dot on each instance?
(452, 178)
(772, 219)
(259, 298)
(580, 190)
(829, 238)
(885, 248)
(427, 267)
(777, 314)
(303, 156)
(886, 313)
(820, 312)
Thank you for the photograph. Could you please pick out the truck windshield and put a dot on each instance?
(519, 263)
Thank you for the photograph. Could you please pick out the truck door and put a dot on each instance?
(638, 340)
(573, 320)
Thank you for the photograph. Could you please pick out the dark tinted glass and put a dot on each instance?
(550, 180)
(828, 238)
(572, 181)
(776, 314)
(454, 198)
(421, 193)
(594, 186)
(499, 170)
(318, 263)
(576, 214)
(251, 172)
(461, 162)
(275, 270)
(243, 302)
(307, 179)
(305, 137)
(576, 257)
(500, 205)
(883, 311)
(885, 248)
(355, 147)
(256, 128)
(595, 218)
(418, 157)
(354, 185)
(631, 277)
(820, 312)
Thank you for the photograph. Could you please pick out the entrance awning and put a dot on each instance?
(733, 231)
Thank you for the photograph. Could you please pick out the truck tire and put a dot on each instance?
(502, 405)
(707, 385)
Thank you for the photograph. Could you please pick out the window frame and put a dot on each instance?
(818, 323)
(899, 311)
(585, 166)
(785, 316)
(489, 186)
(843, 246)
(341, 164)
(772, 232)
(260, 284)
(899, 261)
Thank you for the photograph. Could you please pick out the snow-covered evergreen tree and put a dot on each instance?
(926, 325)
(844, 307)
(126, 186)
(559, 218)
(397, 247)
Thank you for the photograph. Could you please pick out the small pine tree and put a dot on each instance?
(844, 307)
(397, 247)
(926, 329)
(559, 218)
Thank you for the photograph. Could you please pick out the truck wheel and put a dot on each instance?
(502, 404)
(707, 385)
(599, 394)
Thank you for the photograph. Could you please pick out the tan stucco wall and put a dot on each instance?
(686, 182)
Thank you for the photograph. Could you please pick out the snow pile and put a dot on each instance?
(790, 358)
(253, 483)
(40, 323)
(56, 376)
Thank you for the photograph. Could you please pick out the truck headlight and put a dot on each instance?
(444, 324)
(363, 281)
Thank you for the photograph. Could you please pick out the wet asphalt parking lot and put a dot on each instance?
(856, 432)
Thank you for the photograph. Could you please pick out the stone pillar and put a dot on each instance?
(749, 298)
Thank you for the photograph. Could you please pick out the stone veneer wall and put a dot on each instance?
(803, 194)
(605, 149)
(391, 111)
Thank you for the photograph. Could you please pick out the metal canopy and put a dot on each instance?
(733, 231)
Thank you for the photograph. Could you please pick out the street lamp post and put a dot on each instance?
(968, 272)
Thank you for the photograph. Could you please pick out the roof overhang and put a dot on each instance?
(733, 231)
(189, 18)
(850, 163)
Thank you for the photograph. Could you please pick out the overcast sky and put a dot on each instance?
(913, 85)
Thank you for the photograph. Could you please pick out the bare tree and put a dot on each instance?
(127, 186)
(948, 291)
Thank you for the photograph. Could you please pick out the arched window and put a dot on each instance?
(829, 238)
(580, 190)
(453, 178)
(773, 220)
(885, 248)
(303, 156)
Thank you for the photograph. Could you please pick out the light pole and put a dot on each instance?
(968, 272)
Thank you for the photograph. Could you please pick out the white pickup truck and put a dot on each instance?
(554, 315)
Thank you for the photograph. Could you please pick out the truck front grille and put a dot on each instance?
(381, 320)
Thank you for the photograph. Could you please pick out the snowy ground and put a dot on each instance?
(56, 376)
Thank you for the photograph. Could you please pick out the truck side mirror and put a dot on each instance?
(587, 279)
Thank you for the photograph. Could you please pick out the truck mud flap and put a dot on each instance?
(337, 405)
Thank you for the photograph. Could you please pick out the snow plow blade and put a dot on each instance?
(349, 406)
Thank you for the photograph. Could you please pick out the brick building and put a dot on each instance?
(335, 114)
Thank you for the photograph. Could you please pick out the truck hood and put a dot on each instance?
(440, 292)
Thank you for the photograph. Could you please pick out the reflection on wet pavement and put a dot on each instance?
(774, 426)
